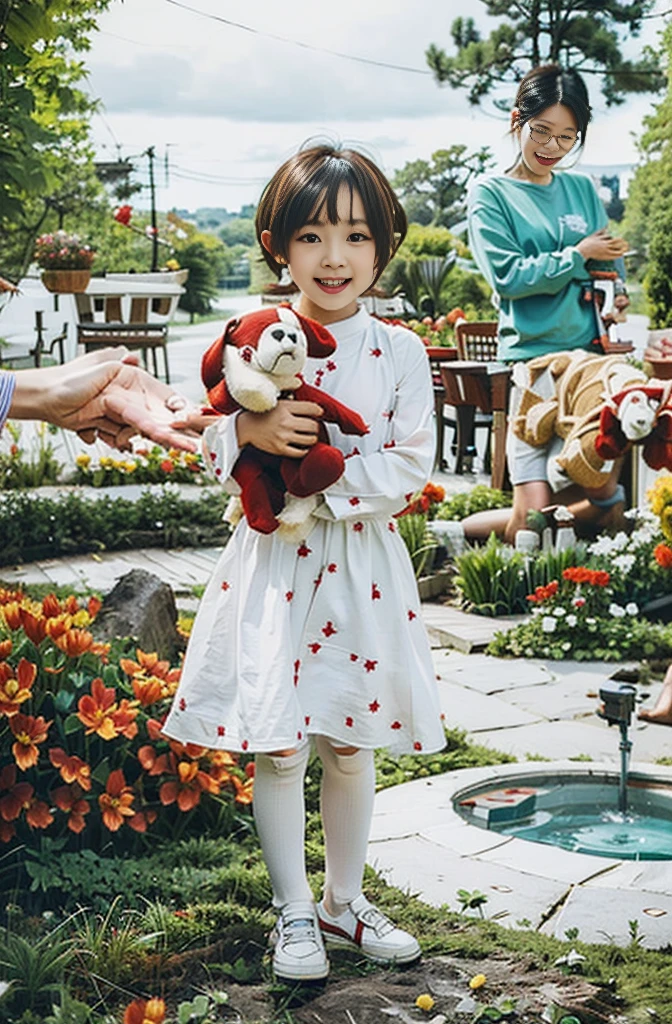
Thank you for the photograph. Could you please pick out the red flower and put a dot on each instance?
(115, 802)
(663, 555)
(123, 214)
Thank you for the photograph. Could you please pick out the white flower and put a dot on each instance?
(624, 563)
(559, 612)
(616, 610)
(631, 608)
(571, 620)
(548, 624)
(566, 645)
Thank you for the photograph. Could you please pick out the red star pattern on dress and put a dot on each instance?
(354, 657)
(332, 567)
(307, 719)
(370, 665)
(374, 706)
(289, 595)
(329, 629)
(303, 551)
(314, 647)
(213, 456)
(331, 365)
(349, 722)
(297, 666)
(299, 735)
(377, 352)
(375, 592)
(395, 725)
(391, 527)
(411, 615)
(221, 731)
(417, 746)
(226, 585)
(358, 527)
(317, 580)
(244, 745)
(354, 502)
(183, 704)
(218, 471)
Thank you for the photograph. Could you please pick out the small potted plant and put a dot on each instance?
(65, 261)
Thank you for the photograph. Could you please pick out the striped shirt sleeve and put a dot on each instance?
(7, 385)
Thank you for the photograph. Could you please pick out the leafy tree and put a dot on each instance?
(44, 146)
(239, 231)
(584, 35)
(437, 187)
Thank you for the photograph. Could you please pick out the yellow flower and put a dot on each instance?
(478, 981)
(130, 467)
(106, 462)
(83, 460)
(172, 265)
(424, 1002)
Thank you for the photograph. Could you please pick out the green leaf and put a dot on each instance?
(101, 771)
(72, 724)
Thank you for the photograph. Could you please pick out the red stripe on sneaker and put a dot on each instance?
(358, 932)
(333, 929)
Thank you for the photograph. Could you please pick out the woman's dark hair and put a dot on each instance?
(544, 86)
(309, 183)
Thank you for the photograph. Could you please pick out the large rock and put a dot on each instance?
(141, 605)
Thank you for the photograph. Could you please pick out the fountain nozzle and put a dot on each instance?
(618, 703)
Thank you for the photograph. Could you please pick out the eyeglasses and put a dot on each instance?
(542, 136)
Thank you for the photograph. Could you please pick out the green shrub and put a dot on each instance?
(479, 499)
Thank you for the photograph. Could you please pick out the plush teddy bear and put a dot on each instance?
(579, 397)
(257, 360)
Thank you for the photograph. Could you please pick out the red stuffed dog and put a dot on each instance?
(256, 361)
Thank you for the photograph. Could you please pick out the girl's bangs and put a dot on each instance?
(321, 191)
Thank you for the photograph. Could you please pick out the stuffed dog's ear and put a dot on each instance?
(610, 441)
(212, 364)
(321, 343)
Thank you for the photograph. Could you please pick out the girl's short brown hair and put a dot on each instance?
(309, 182)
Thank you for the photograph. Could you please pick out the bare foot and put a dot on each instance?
(657, 715)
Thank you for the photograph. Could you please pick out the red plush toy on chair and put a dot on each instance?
(256, 361)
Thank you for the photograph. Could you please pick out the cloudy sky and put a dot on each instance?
(224, 105)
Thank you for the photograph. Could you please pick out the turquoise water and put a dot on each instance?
(585, 829)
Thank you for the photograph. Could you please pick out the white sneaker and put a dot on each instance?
(362, 926)
(299, 951)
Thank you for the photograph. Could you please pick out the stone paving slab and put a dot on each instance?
(450, 627)
(555, 740)
(572, 868)
(512, 894)
(475, 712)
(600, 916)
(575, 695)
(653, 876)
(487, 674)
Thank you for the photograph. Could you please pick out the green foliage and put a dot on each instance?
(35, 967)
(474, 900)
(41, 527)
(419, 540)
(658, 277)
(43, 113)
(479, 499)
(437, 187)
(458, 753)
(495, 579)
(201, 287)
(34, 468)
(238, 231)
(543, 31)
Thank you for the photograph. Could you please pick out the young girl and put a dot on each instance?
(532, 231)
(323, 640)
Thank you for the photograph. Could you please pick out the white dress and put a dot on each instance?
(325, 636)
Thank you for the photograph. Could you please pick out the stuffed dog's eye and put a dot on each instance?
(278, 334)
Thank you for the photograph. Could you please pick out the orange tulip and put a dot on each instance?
(69, 799)
(95, 711)
(244, 790)
(186, 789)
(58, 626)
(15, 686)
(94, 605)
(11, 613)
(51, 606)
(145, 1011)
(34, 626)
(38, 814)
(71, 604)
(149, 665)
(5, 649)
(148, 691)
(124, 719)
(115, 802)
(71, 769)
(74, 642)
(28, 732)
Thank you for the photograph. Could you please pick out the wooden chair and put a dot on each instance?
(135, 333)
(476, 341)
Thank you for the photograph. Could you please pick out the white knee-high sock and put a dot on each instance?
(348, 789)
(280, 817)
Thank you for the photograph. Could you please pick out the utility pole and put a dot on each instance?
(152, 193)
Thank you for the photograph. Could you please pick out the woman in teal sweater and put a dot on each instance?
(532, 231)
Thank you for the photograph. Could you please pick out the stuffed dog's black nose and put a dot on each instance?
(278, 334)
(292, 337)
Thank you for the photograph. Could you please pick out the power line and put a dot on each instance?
(297, 42)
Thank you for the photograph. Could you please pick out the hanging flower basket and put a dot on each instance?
(66, 281)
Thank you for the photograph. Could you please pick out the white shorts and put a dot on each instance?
(527, 463)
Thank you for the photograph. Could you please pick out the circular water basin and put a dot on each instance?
(576, 813)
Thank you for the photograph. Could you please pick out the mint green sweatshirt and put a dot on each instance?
(522, 237)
